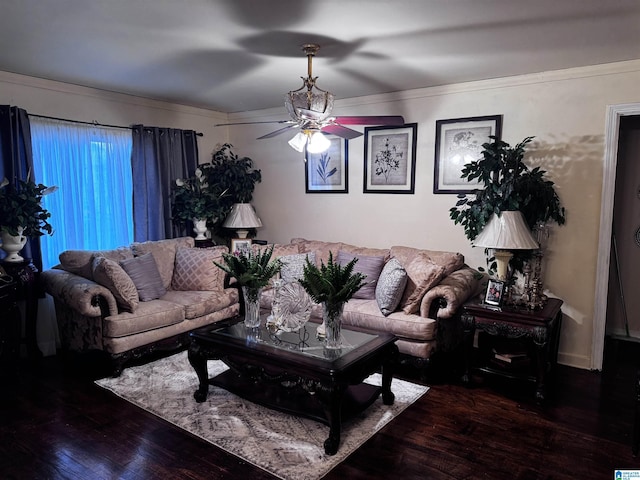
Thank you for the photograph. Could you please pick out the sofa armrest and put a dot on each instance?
(83, 295)
(444, 300)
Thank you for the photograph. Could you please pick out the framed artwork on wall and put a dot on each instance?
(458, 142)
(328, 172)
(390, 159)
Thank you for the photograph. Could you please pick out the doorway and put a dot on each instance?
(614, 115)
(623, 302)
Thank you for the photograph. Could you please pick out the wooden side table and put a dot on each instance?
(27, 277)
(10, 328)
(539, 329)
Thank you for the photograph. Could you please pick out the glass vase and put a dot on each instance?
(332, 320)
(251, 306)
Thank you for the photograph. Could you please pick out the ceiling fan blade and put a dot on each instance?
(371, 120)
(278, 132)
(341, 131)
(252, 123)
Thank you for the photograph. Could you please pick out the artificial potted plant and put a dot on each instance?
(232, 174)
(195, 200)
(506, 183)
(22, 215)
(252, 271)
(331, 285)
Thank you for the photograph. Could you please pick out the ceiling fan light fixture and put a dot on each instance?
(309, 98)
(299, 141)
(318, 143)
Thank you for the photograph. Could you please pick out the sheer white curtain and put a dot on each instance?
(91, 165)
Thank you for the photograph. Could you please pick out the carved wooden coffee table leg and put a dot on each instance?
(334, 412)
(199, 363)
(388, 367)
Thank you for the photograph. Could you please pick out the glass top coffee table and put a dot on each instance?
(292, 371)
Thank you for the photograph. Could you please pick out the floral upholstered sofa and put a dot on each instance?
(132, 300)
(410, 292)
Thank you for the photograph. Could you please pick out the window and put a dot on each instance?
(91, 165)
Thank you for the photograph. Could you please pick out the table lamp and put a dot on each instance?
(241, 218)
(505, 232)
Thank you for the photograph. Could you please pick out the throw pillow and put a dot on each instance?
(145, 275)
(423, 274)
(195, 270)
(370, 267)
(164, 253)
(109, 274)
(80, 261)
(390, 287)
(293, 266)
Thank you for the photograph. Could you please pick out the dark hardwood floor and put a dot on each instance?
(56, 424)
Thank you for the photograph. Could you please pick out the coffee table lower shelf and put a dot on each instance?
(293, 399)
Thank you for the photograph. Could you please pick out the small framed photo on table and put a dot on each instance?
(495, 290)
(240, 246)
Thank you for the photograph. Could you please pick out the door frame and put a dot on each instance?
(612, 131)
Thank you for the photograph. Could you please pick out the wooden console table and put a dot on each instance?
(539, 329)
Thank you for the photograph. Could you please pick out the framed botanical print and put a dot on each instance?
(390, 159)
(328, 172)
(458, 142)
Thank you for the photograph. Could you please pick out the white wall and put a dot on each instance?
(564, 110)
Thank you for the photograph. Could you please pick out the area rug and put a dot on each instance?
(284, 445)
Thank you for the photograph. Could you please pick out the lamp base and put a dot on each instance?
(503, 257)
(242, 233)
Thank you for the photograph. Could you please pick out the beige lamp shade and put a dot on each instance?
(241, 218)
(507, 231)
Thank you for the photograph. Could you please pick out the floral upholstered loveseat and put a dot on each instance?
(411, 292)
(132, 300)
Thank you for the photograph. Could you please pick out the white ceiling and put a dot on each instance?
(239, 55)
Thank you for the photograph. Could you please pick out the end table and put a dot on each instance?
(26, 275)
(540, 329)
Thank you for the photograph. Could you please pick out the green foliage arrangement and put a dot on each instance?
(21, 206)
(333, 284)
(194, 197)
(507, 184)
(232, 174)
(252, 269)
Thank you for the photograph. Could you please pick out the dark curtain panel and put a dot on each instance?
(159, 156)
(17, 162)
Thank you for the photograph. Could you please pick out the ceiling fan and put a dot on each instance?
(310, 110)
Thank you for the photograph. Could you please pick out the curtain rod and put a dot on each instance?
(95, 123)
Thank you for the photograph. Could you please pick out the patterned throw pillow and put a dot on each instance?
(423, 274)
(390, 287)
(80, 261)
(367, 265)
(109, 274)
(164, 253)
(145, 275)
(195, 270)
(293, 266)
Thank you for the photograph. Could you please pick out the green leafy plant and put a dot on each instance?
(507, 183)
(252, 269)
(230, 173)
(194, 198)
(21, 206)
(333, 284)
